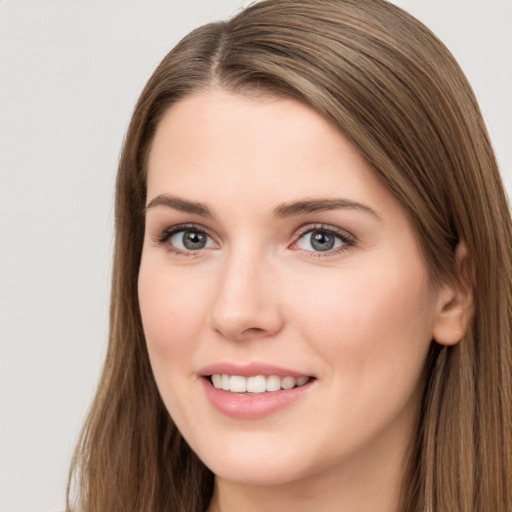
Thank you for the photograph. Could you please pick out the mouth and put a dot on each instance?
(257, 384)
(254, 390)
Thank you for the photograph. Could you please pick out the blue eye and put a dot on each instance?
(190, 240)
(185, 239)
(322, 240)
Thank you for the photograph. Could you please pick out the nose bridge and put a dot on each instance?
(245, 304)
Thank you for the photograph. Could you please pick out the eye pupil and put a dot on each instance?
(194, 240)
(322, 241)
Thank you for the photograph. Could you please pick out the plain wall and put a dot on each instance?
(70, 73)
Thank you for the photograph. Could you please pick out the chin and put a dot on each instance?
(261, 462)
(242, 472)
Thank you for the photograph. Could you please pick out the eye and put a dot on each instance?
(323, 240)
(191, 240)
(185, 239)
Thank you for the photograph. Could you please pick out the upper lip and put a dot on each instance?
(249, 370)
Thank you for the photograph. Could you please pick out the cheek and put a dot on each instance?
(172, 310)
(172, 313)
(373, 330)
(372, 322)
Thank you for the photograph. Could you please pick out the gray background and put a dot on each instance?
(70, 72)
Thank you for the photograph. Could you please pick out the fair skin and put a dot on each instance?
(332, 289)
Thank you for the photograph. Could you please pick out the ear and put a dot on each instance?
(455, 301)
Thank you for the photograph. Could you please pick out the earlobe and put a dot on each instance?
(455, 301)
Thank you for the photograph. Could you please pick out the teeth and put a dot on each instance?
(256, 384)
(288, 382)
(302, 380)
(217, 380)
(237, 384)
(273, 383)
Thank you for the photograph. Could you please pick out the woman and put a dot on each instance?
(312, 285)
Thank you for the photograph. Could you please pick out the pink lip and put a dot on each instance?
(248, 406)
(249, 370)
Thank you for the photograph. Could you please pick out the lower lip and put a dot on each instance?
(247, 406)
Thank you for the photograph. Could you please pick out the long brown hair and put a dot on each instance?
(396, 92)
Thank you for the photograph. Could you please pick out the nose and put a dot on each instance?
(246, 304)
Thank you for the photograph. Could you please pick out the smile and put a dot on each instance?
(254, 390)
(257, 384)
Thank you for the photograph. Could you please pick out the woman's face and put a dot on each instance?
(275, 259)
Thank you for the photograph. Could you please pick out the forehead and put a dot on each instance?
(218, 121)
(214, 146)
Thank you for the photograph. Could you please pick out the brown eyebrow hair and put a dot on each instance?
(180, 204)
(281, 211)
(318, 205)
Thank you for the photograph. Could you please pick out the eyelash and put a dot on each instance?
(346, 238)
(168, 233)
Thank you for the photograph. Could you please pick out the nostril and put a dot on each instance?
(253, 331)
(245, 318)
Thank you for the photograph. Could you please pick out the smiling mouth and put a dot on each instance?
(256, 385)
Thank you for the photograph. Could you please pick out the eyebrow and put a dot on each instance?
(282, 210)
(180, 204)
(318, 205)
